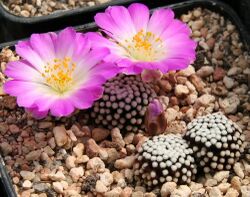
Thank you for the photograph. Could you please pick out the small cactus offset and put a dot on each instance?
(164, 158)
(217, 142)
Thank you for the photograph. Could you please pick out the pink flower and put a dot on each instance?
(138, 41)
(57, 73)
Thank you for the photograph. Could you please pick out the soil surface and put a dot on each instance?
(30, 8)
(67, 157)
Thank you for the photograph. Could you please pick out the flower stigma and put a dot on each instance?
(58, 74)
(145, 46)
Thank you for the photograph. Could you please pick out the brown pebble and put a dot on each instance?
(219, 74)
(99, 134)
(33, 155)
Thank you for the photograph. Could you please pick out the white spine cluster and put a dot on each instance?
(217, 142)
(165, 158)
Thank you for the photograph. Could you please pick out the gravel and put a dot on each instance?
(60, 157)
(33, 8)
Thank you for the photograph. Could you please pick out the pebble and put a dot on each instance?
(197, 13)
(223, 187)
(229, 82)
(222, 175)
(235, 183)
(116, 192)
(219, 74)
(5, 148)
(195, 186)
(40, 137)
(245, 191)
(151, 194)
(70, 162)
(197, 82)
(230, 104)
(41, 187)
(137, 194)
(232, 193)
(106, 178)
(99, 134)
(49, 151)
(191, 98)
(200, 193)
(234, 71)
(127, 192)
(215, 192)
(167, 188)
(15, 180)
(205, 71)
(117, 137)
(126, 162)
(100, 187)
(3, 128)
(95, 164)
(60, 134)
(181, 90)
(27, 184)
(76, 173)
(128, 139)
(205, 99)
(27, 175)
(33, 155)
(92, 149)
(211, 182)
(52, 143)
(71, 136)
(238, 170)
(171, 114)
(182, 191)
(45, 125)
(14, 129)
(197, 25)
(25, 193)
(58, 187)
(59, 176)
(187, 71)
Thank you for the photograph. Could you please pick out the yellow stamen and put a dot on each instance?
(59, 74)
(144, 46)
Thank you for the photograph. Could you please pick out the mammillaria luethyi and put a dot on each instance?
(164, 158)
(217, 142)
(123, 104)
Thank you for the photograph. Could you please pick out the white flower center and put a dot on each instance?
(145, 46)
(59, 74)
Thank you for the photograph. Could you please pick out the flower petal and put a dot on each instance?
(160, 20)
(62, 107)
(37, 114)
(98, 41)
(24, 49)
(117, 22)
(175, 27)
(140, 16)
(65, 43)
(43, 44)
(107, 70)
(22, 70)
(84, 98)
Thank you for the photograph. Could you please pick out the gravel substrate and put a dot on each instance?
(32, 8)
(66, 157)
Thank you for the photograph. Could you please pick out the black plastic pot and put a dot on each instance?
(179, 9)
(244, 8)
(21, 27)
